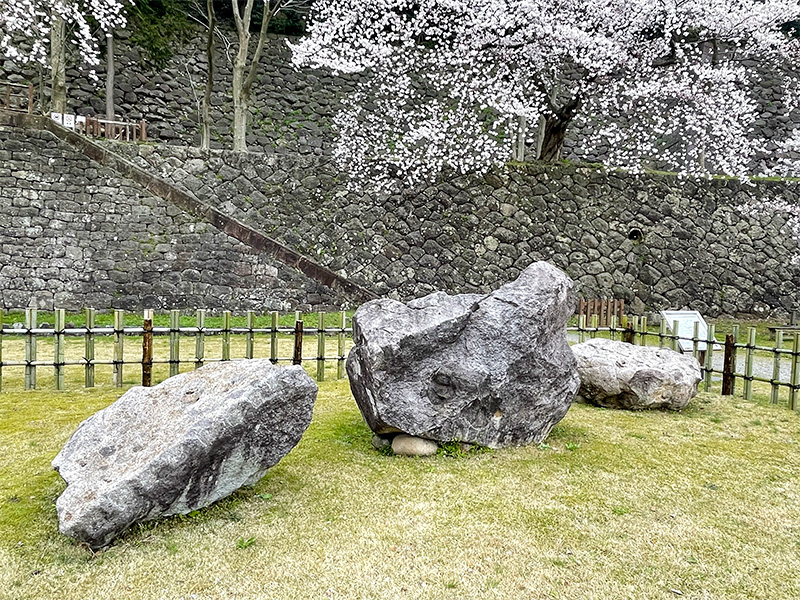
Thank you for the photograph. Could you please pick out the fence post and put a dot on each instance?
(695, 339)
(795, 372)
(676, 345)
(226, 335)
(119, 345)
(710, 338)
(662, 332)
(174, 342)
(629, 334)
(1, 349)
(729, 366)
(273, 340)
(297, 357)
(88, 349)
(147, 349)
(340, 360)
(612, 326)
(643, 331)
(320, 346)
(776, 369)
(249, 340)
(30, 349)
(748, 368)
(582, 328)
(58, 349)
(200, 339)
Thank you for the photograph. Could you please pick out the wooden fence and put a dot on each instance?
(331, 337)
(123, 131)
(330, 327)
(604, 308)
(16, 97)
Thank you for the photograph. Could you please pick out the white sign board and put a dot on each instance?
(686, 320)
(69, 121)
(57, 117)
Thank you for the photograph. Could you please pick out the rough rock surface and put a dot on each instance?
(493, 370)
(179, 446)
(620, 375)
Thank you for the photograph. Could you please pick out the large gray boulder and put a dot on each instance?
(179, 446)
(620, 375)
(494, 370)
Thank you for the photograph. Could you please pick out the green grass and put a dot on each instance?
(614, 505)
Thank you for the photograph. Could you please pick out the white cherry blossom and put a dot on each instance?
(447, 81)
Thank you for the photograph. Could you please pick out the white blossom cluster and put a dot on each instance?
(25, 26)
(447, 79)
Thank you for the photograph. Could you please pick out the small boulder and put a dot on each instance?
(493, 370)
(179, 446)
(408, 445)
(621, 375)
(380, 442)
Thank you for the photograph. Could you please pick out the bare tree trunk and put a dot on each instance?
(58, 95)
(110, 76)
(240, 97)
(243, 82)
(205, 125)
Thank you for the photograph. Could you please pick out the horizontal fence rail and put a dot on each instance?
(331, 335)
(168, 347)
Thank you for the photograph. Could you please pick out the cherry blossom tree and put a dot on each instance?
(450, 82)
(29, 28)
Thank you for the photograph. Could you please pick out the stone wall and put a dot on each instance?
(720, 246)
(73, 234)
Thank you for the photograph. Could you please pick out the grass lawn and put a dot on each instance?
(698, 504)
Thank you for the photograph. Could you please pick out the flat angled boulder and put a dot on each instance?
(493, 370)
(619, 375)
(179, 446)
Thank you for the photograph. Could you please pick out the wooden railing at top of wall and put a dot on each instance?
(127, 131)
(17, 97)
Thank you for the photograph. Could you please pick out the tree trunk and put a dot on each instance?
(519, 143)
(110, 76)
(240, 106)
(241, 94)
(58, 95)
(555, 130)
(205, 119)
(540, 137)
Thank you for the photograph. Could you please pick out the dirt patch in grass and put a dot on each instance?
(698, 504)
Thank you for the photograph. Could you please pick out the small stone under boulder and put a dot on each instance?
(180, 446)
(620, 375)
(408, 445)
(493, 370)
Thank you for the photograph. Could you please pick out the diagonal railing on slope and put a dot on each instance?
(189, 203)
